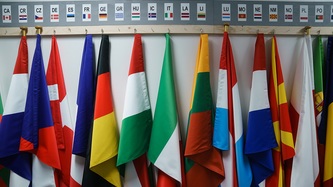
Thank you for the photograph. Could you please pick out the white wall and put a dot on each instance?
(184, 55)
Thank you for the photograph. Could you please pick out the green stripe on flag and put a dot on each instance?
(137, 129)
(202, 100)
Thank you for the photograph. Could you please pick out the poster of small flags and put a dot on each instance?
(196, 12)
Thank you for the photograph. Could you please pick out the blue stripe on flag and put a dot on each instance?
(244, 172)
(221, 129)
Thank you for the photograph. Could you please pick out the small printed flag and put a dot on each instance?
(225, 16)
(102, 16)
(86, 16)
(168, 15)
(23, 17)
(85, 112)
(319, 17)
(260, 138)
(38, 17)
(55, 16)
(203, 162)
(151, 15)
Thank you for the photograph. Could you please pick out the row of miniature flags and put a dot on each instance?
(103, 14)
(281, 146)
(119, 12)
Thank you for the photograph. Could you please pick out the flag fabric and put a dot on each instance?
(260, 139)
(305, 167)
(318, 62)
(137, 122)
(281, 120)
(38, 134)
(85, 112)
(228, 128)
(11, 125)
(103, 145)
(204, 166)
(4, 172)
(327, 118)
(165, 136)
(60, 114)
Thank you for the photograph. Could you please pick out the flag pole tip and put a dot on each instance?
(24, 30)
(307, 30)
(39, 29)
(226, 27)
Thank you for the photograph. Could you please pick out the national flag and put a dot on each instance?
(288, 16)
(137, 122)
(305, 167)
(326, 127)
(38, 17)
(70, 15)
(100, 167)
(319, 17)
(119, 15)
(103, 16)
(4, 172)
(226, 15)
(303, 18)
(54, 16)
(86, 16)
(38, 133)
(242, 16)
(204, 166)
(11, 125)
(165, 136)
(201, 15)
(318, 62)
(257, 16)
(6, 17)
(273, 16)
(151, 15)
(281, 120)
(228, 128)
(60, 113)
(260, 139)
(168, 15)
(85, 112)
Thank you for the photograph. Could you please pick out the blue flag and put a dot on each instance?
(85, 99)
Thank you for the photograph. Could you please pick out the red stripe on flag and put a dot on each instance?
(260, 57)
(141, 168)
(21, 65)
(164, 180)
(103, 92)
(137, 64)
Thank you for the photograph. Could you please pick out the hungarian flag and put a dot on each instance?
(100, 168)
(38, 134)
(305, 167)
(85, 112)
(281, 120)
(228, 128)
(11, 125)
(137, 122)
(327, 117)
(204, 166)
(260, 138)
(60, 114)
(165, 136)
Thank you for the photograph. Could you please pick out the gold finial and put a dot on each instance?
(39, 29)
(226, 27)
(307, 30)
(24, 30)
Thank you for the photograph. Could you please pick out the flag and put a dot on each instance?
(4, 172)
(38, 134)
(103, 145)
(260, 138)
(327, 118)
(60, 113)
(228, 128)
(318, 62)
(11, 125)
(281, 120)
(305, 169)
(165, 137)
(137, 122)
(204, 166)
(85, 112)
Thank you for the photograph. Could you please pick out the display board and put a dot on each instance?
(175, 12)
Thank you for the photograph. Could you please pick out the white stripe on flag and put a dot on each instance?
(65, 113)
(238, 123)
(42, 174)
(228, 164)
(17, 181)
(136, 97)
(222, 96)
(15, 104)
(259, 90)
(77, 168)
(131, 177)
(170, 163)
